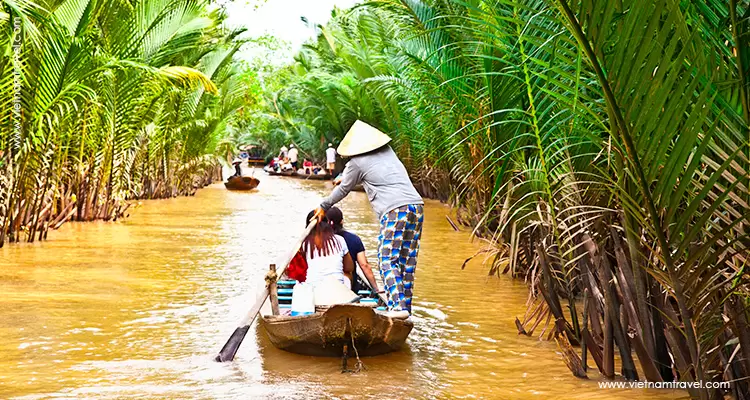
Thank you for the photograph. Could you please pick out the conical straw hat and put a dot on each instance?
(362, 138)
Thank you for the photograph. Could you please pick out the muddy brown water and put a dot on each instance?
(138, 308)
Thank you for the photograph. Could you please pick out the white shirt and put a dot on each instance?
(330, 155)
(321, 268)
(293, 154)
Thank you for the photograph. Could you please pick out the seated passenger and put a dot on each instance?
(356, 250)
(287, 166)
(329, 265)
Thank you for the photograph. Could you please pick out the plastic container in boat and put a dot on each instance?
(303, 299)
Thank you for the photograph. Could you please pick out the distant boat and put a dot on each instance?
(241, 183)
(253, 155)
(256, 161)
(280, 173)
(318, 177)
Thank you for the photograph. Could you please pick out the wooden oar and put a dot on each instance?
(230, 348)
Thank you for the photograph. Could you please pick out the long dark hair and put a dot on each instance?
(336, 218)
(321, 239)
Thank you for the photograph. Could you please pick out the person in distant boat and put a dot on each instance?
(328, 260)
(272, 165)
(286, 166)
(278, 162)
(307, 165)
(330, 158)
(356, 250)
(293, 155)
(400, 208)
(237, 168)
(283, 152)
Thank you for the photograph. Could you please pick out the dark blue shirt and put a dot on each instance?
(354, 243)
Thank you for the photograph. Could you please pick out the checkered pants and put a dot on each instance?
(400, 231)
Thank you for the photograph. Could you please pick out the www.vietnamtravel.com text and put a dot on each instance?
(663, 385)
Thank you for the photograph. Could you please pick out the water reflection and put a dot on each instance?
(139, 307)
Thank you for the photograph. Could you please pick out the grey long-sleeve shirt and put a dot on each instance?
(384, 178)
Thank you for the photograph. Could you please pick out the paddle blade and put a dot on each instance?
(232, 345)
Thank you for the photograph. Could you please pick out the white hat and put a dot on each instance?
(291, 146)
(331, 291)
(362, 138)
(330, 144)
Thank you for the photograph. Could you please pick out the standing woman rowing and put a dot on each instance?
(375, 165)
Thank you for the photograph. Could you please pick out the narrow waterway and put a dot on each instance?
(138, 308)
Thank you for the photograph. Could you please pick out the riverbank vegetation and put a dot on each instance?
(600, 148)
(105, 101)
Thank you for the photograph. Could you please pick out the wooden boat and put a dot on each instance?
(241, 183)
(253, 154)
(256, 161)
(326, 333)
(279, 173)
(314, 177)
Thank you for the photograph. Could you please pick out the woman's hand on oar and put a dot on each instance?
(230, 348)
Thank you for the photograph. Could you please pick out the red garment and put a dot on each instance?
(307, 164)
(297, 269)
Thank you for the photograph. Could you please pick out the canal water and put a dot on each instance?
(139, 307)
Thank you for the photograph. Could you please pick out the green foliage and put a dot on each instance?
(117, 100)
(567, 132)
